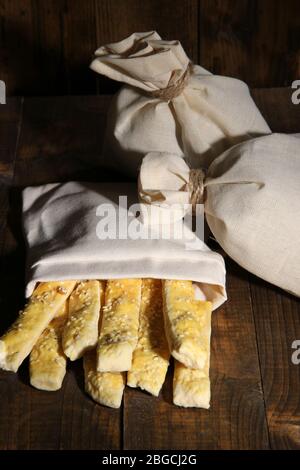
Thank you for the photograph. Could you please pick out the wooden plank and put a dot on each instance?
(236, 419)
(223, 25)
(82, 423)
(17, 46)
(61, 139)
(10, 115)
(78, 39)
(47, 46)
(51, 65)
(274, 46)
(277, 317)
(66, 419)
(172, 19)
(255, 41)
(10, 118)
(278, 109)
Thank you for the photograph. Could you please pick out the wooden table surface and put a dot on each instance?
(255, 386)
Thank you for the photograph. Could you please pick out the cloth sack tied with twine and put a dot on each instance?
(170, 105)
(251, 197)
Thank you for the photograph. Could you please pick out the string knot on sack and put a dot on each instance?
(172, 91)
(196, 187)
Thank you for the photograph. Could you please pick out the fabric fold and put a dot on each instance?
(85, 231)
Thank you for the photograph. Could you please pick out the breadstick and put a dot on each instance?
(187, 323)
(119, 327)
(151, 357)
(81, 330)
(105, 388)
(191, 387)
(43, 305)
(47, 362)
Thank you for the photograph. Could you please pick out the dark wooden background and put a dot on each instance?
(45, 49)
(46, 45)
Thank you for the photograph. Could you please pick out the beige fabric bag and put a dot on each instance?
(66, 227)
(169, 105)
(252, 202)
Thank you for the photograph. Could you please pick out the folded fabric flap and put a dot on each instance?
(89, 231)
(142, 60)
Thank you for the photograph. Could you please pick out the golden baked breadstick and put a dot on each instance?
(81, 330)
(151, 356)
(119, 326)
(47, 362)
(191, 387)
(42, 306)
(105, 388)
(187, 323)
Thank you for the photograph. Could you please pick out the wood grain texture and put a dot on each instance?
(10, 124)
(66, 419)
(46, 46)
(78, 33)
(236, 419)
(277, 319)
(277, 108)
(17, 52)
(256, 41)
(61, 139)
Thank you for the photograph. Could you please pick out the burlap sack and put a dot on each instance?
(251, 196)
(170, 105)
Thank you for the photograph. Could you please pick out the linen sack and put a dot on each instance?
(171, 105)
(78, 231)
(251, 202)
